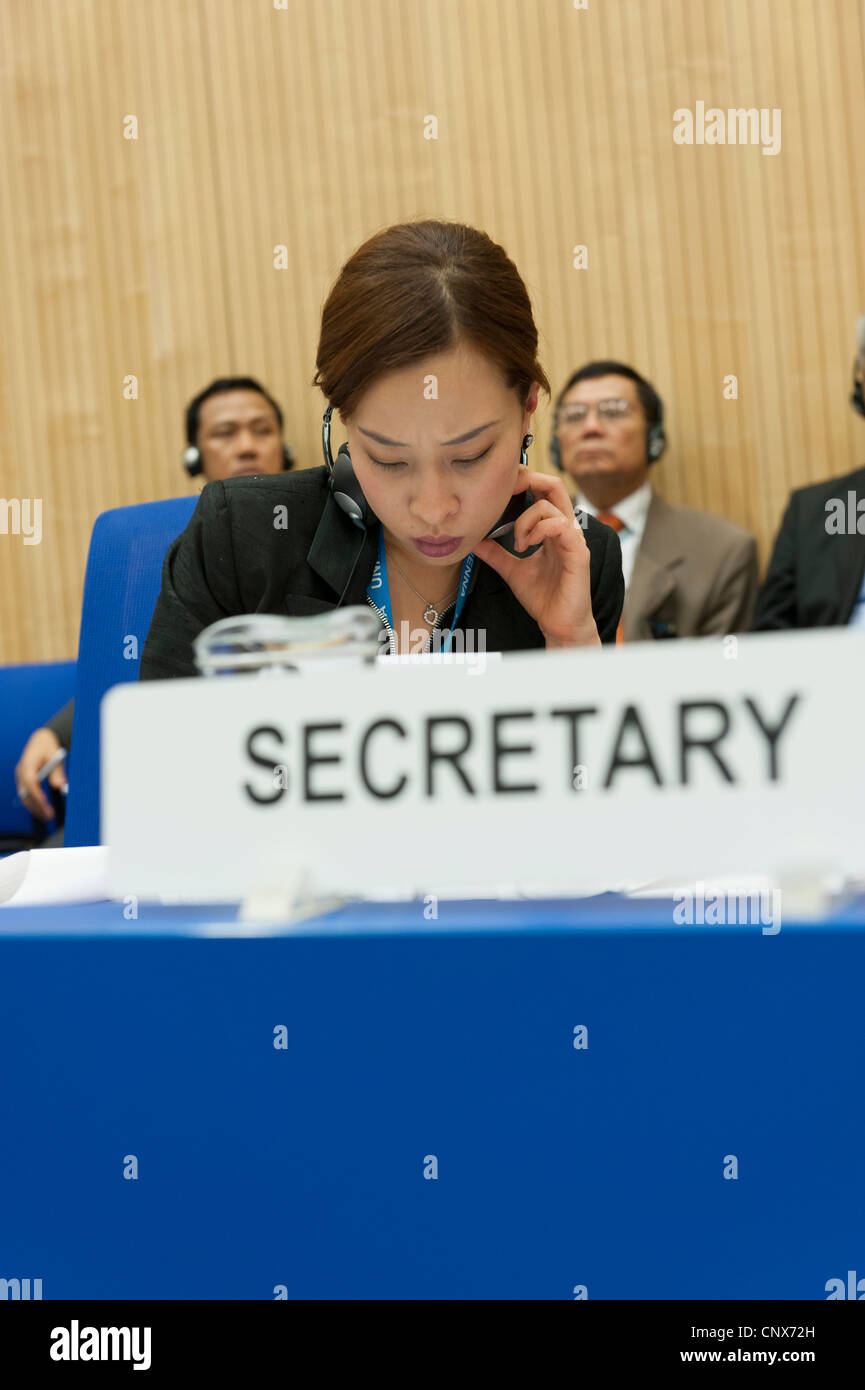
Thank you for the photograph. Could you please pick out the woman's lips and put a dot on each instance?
(437, 546)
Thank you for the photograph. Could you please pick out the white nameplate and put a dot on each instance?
(553, 771)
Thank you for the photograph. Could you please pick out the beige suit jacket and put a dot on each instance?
(695, 575)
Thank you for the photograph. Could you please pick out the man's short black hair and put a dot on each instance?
(218, 388)
(649, 398)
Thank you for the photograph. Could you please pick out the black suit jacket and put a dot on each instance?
(814, 576)
(233, 558)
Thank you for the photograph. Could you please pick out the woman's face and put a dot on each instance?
(436, 449)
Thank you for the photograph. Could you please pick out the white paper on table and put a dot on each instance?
(76, 875)
(39, 876)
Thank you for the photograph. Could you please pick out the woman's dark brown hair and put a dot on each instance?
(420, 288)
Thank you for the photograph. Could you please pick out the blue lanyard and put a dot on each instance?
(378, 589)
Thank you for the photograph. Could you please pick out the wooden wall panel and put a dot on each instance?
(304, 127)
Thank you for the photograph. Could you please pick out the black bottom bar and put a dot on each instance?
(163, 1338)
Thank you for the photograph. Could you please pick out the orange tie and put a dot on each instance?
(610, 519)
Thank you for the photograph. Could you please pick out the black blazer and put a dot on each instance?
(814, 576)
(234, 557)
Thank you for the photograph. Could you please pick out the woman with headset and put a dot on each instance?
(428, 355)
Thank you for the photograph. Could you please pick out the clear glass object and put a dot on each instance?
(270, 643)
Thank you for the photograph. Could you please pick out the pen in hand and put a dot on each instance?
(50, 766)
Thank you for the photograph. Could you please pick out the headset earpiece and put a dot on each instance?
(656, 443)
(656, 438)
(192, 461)
(346, 490)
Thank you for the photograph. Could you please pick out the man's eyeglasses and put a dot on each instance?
(612, 409)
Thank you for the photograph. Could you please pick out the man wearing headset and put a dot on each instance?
(687, 573)
(233, 429)
(816, 576)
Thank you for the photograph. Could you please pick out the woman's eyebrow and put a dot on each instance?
(397, 444)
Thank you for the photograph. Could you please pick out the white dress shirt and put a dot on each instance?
(632, 510)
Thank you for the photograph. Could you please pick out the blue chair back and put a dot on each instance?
(28, 696)
(121, 585)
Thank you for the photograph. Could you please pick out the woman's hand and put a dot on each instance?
(39, 748)
(554, 584)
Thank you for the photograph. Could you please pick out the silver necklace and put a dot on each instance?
(431, 614)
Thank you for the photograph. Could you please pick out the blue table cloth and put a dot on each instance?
(379, 1105)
